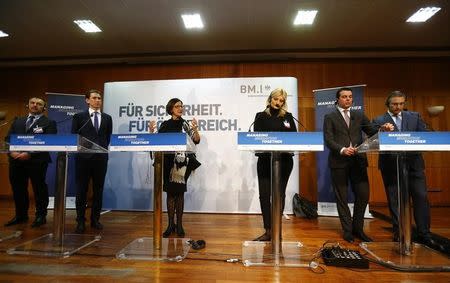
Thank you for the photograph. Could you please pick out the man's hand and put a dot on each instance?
(152, 126)
(20, 155)
(388, 127)
(349, 151)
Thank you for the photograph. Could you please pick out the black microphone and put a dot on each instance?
(304, 128)
(249, 128)
(85, 123)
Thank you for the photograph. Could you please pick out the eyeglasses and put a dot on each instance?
(398, 104)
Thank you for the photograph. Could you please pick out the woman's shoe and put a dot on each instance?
(264, 237)
(170, 229)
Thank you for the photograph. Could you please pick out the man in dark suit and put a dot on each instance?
(410, 122)
(342, 133)
(96, 127)
(24, 166)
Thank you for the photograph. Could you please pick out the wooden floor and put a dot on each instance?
(223, 234)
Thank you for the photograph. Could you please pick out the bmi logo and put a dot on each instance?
(255, 89)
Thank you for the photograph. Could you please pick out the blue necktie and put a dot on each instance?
(398, 122)
(29, 122)
(96, 121)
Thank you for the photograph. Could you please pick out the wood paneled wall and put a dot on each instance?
(425, 81)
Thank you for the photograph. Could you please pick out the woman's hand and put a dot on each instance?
(152, 127)
(196, 135)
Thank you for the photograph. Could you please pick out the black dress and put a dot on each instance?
(177, 166)
(272, 123)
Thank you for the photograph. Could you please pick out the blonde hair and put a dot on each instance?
(275, 93)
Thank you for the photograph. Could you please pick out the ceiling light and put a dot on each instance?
(193, 21)
(87, 26)
(3, 34)
(305, 17)
(423, 14)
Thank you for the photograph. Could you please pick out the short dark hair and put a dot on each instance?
(395, 93)
(338, 92)
(171, 104)
(88, 93)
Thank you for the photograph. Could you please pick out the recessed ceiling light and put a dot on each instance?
(305, 17)
(192, 21)
(423, 14)
(87, 25)
(3, 34)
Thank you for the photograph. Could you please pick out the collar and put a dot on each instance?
(392, 115)
(342, 109)
(92, 111)
(36, 117)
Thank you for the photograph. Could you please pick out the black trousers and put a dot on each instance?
(87, 168)
(357, 175)
(264, 171)
(418, 191)
(19, 174)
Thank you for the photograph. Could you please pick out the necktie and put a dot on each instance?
(347, 117)
(96, 121)
(29, 122)
(398, 122)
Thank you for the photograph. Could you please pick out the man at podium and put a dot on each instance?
(342, 130)
(410, 122)
(95, 126)
(24, 166)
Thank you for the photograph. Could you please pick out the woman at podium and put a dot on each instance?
(274, 118)
(177, 166)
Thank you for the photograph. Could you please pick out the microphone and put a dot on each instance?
(85, 123)
(304, 128)
(249, 128)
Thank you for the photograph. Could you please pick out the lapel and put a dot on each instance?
(41, 122)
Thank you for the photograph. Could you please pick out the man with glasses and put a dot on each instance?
(410, 122)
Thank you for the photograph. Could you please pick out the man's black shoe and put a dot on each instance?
(16, 220)
(96, 225)
(81, 227)
(39, 221)
(361, 235)
(348, 237)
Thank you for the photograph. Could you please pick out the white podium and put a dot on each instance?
(406, 255)
(277, 252)
(154, 248)
(57, 244)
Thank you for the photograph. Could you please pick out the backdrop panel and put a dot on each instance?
(61, 108)
(226, 181)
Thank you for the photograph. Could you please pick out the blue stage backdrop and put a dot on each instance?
(325, 102)
(61, 108)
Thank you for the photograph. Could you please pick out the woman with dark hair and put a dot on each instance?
(177, 166)
(274, 118)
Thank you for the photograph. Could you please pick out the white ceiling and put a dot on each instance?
(42, 32)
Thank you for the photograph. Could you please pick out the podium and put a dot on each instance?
(7, 234)
(276, 252)
(406, 255)
(154, 248)
(56, 244)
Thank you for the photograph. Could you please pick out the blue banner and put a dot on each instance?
(325, 102)
(414, 141)
(280, 141)
(61, 108)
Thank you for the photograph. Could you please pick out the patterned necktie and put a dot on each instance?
(29, 122)
(398, 122)
(96, 121)
(347, 117)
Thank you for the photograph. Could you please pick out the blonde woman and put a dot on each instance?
(274, 118)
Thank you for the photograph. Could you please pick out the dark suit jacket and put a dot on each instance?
(82, 125)
(411, 122)
(18, 128)
(337, 135)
